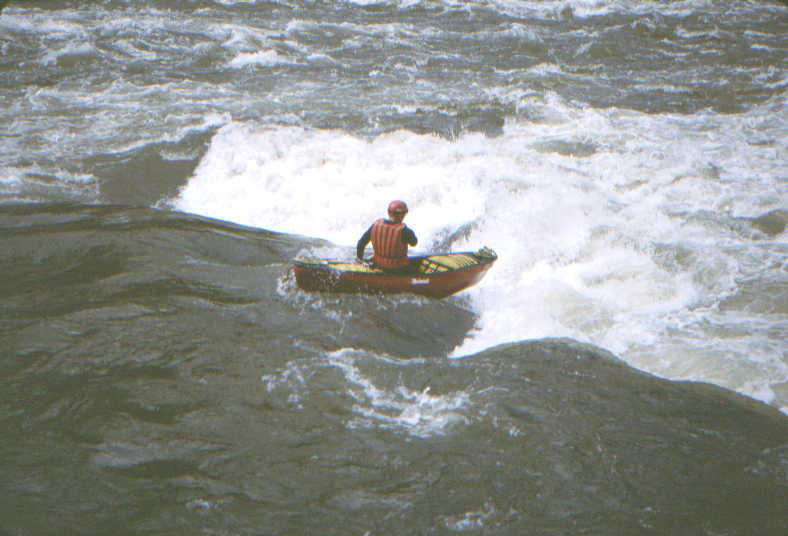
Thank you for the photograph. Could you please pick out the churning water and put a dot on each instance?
(626, 159)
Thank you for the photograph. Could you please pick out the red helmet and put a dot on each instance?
(398, 207)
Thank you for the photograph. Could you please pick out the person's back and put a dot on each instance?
(390, 239)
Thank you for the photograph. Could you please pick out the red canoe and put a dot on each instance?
(436, 276)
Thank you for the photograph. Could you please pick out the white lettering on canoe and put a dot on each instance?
(419, 281)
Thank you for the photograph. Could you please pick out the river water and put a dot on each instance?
(622, 369)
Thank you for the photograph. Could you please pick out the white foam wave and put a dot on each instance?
(265, 58)
(72, 51)
(34, 183)
(36, 23)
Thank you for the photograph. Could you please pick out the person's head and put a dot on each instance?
(397, 210)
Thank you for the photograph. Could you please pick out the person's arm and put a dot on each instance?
(362, 243)
(409, 237)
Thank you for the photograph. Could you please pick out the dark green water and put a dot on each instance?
(161, 376)
(161, 163)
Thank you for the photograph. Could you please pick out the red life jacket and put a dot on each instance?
(390, 250)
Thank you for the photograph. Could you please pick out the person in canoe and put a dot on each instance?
(390, 239)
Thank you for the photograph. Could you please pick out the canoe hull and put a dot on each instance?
(435, 276)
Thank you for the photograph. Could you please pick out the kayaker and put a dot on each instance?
(390, 239)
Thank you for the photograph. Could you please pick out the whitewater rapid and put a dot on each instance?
(636, 232)
(163, 374)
